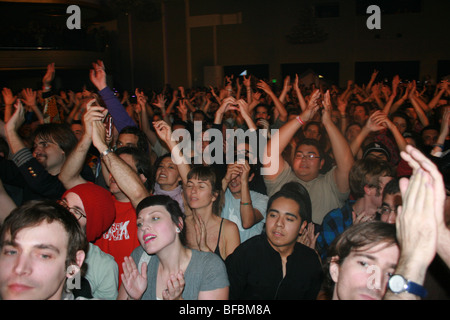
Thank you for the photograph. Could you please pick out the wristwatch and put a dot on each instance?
(398, 284)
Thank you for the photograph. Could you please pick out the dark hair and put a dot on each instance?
(367, 172)
(314, 143)
(392, 187)
(355, 238)
(35, 212)
(157, 163)
(206, 173)
(171, 206)
(142, 143)
(59, 133)
(297, 192)
(142, 162)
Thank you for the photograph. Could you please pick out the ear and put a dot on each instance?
(369, 190)
(180, 223)
(334, 268)
(74, 268)
(303, 226)
(322, 163)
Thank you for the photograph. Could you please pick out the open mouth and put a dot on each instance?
(149, 237)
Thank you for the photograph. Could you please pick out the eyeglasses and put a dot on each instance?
(308, 157)
(387, 209)
(78, 213)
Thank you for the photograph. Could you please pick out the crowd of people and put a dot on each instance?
(103, 195)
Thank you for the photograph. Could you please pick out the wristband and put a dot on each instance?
(300, 120)
(246, 203)
(105, 153)
(439, 145)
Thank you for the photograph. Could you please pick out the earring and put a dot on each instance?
(178, 230)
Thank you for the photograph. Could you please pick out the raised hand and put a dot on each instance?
(175, 287)
(49, 75)
(8, 96)
(17, 119)
(97, 75)
(135, 283)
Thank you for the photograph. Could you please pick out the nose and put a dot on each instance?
(22, 265)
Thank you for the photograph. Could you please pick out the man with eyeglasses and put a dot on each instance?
(367, 179)
(392, 198)
(327, 190)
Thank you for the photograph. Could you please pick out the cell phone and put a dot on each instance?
(109, 123)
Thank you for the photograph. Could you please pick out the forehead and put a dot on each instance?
(304, 148)
(261, 109)
(381, 252)
(73, 199)
(128, 137)
(44, 234)
(286, 205)
(152, 210)
(393, 199)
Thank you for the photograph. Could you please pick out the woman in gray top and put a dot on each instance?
(170, 270)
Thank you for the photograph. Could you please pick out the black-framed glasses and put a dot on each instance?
(77, 212)
(308, 157)
(385, 209)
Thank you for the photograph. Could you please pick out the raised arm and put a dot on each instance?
(121, 117)
(285, 134)
(421, 230)
(70, 174)
(126, 178)
(341, 149)
(301, 98)
(278, 104)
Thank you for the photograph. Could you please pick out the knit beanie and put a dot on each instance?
(99, 208)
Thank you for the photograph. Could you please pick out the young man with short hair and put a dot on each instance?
(41, 242)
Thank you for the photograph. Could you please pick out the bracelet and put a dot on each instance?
(105, 153)
(246, 203)
(438, 145)
(300, 120)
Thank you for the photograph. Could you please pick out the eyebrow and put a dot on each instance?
(37, 246)
(372, 258)
(286, 213)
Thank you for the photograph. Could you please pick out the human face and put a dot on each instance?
(400, 123)
(377, 193)
(78, 130)
(364, 274)
(199, 193)
(49, 155)
(391, 203)
(75, 206)
(312, 132)
(283, 224)
(430, 137)
(33, 266)
(352, 132)
(359, 115)
(261, 113)
(306, 168)
(156, 229)
(167, 175)
(127, 140)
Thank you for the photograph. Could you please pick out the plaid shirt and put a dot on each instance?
(334, 223)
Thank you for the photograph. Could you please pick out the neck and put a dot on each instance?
(174, 258)
(168, 187)
(364, 205)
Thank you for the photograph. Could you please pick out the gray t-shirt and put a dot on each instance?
(205, 272)
(323, 191)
